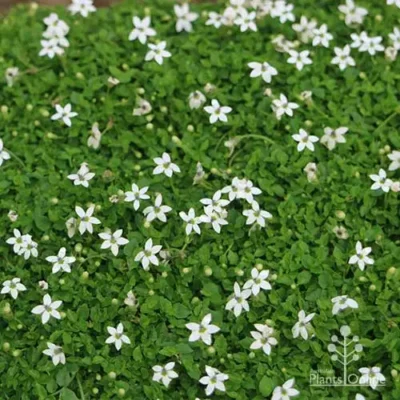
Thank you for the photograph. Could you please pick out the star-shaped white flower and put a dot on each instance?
(4, 155)
(64, 113)
(136, 195)
(343, 58)
(117, 336)
(185, 17)
(282, 106)
(56, 353)
(303, 325)
(265, 70)
(381, 181)
(196, 99)
(340, 303)
(60, 261)
(82, 7)
(238, 302)
(142, 29)
(217, 112)
(192, 222)
(83, 176)
(333, 136)
(246, 20)
(394, 157)
(148, 255)
(13, 287)
(321, 36)
(361, 257)
(165, 373)
(371, 376)
(157, 211)
(86, 219)
(299, 58)
(241, 189)
(305, 140)
(216, 219)
(216, 203)
(165, 166)
(214, 380)
(202, 331)
(258, 281)
(113, 241)
(48, 309)
(286, 391)
(157, 52)
(51, 48)
(263, 338)
(256, 215)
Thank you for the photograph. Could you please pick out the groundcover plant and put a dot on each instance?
(200, 201)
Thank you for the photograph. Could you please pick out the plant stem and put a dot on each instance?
(80, 387)
(16, 157)
(389, 118)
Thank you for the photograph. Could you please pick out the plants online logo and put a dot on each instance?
(345, 351)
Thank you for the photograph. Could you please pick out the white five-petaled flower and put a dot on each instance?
(117, 336)
(60, 261)
(299, 58)
(215, 19)
(341, 303)
(141, 30)
(136, 195)
(157, 211)
(263, 338)
(241, 189)
(371, 45)
(23, 245)
(361, 257)
(113, 241)
(246, 20)
(64, 113)
(83, 176)
(239, 301)
(321, 36)
(371, 377)
(56, 353)
(216, 203)
(353, 15)
(13, 286)
(95, 137)
(165, 165)
(258, 281)
(393, 2)
(202, 331)
(394, 157)
(82, 7)
(303, 325)
(265, 70)
(18, 241)
(282, 106)
(395, 38)
(4, 155)
(142, 107)
(214, 380)
(157, 52)
(148, 255)
(86, 219)
(217, 112)
(215, 218)
(196, 99)
(256, 215)
(381, 181)
(50, 48)
(48, 309)
(185, 18)
(343, 58)
(305, 29)
(164, 374)
(305, 140)
(333, 136)
(192, 222)
(286, 391)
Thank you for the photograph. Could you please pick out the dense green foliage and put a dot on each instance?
(298, 245)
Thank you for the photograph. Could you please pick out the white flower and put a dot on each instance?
(263, 338)
(60, 261)
(322, 36)
(305, 29)
(43, 285)
(286, 391)
(148, 255)
(64, 113)
(340, 232)
(395, 38)
(83, 176)
(165, 165)
(341, 303)
(217, 112)
(164, 374)
(333, 136)
(395, 187)
(216, 203)
(117, 336)
(394, 156)
(282, 106)
(56, 25)
(258, 281)
(157, 52)
(23, 244)
(343, 58)
(311, 170)
(4, 155)
(305, 140)
(95, 137)
(56, 353)
(48, 309)
(255, 215)
(82, 7)
(246, 20)
(11, 74)
(360, 397)
(112, 81)
(241, 189)
(353, 15)
(361, 257)
(214, 380)
(300, 59)
(371, 44)
(72, 225)
(215, 218)
(12, 215)
(50, 48)
(130, 299)
(202, 331)
(17, 241)
(358, 39)
(265, 70)
(157, 211)
(30, 248)
(303, 325)
(239, 301)
(381, 181)
(196, 99)
(136, 195)
(141, 30)
(215, 19)
(143, 107)
(185, 18)
(285, 13)
(393, 2)
(192, 222)
(13, 286)
(86, 219)
(371, 376)
(113, 241)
